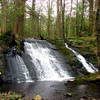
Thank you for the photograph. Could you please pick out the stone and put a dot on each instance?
(84, 98)
(37, 97)
(68, 95)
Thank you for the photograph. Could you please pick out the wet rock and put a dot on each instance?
(91, 98)
(87, 98)
(84, 98)
(22, 45)
(41, 38)
(71, 80)
(38, 97)
(68, 94)
(1, 80)
(23, 96)
(12, 42)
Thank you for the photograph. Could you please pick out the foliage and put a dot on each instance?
(14, 96)
(4, 38)
(10, 96)
(2, 70)
(70, 57)
(88, 78)
(11, 13)
(36, 23)
(86, 41)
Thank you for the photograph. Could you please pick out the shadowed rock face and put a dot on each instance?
(1, 61)
(16, 69)
(2, 66)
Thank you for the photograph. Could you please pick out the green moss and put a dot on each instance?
(86, 46)
(88, 49)
(10, 96)
(4, 38)
(70, 57)
(87, 78)
(2, 70)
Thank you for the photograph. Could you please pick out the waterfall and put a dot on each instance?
(41, 61)
(88, 66)
(17, 69)
(46, 61)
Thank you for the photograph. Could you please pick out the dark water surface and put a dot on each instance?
(53, 90)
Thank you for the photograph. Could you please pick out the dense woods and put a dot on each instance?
(56, 20)
(98, 29)
(19, 17)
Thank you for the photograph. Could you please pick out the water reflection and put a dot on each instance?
(53, 90)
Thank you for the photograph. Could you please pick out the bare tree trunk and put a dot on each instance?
(4, 15)
(70, 19)
(35, 21)
(98, 30)
(77, 25)
(49, 19)
(33, 17)
(58, 20)
(19, 19)
(63, 19)
(33, 5)
(91, 16)
(82, 19)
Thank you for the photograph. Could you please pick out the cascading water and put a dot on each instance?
(88, 66)
(41, 61)
(17, 69)
(46, 61)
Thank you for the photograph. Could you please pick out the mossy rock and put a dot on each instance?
(88, 78)
(2, 70)
(10, 96)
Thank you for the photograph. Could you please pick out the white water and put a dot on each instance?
(46, 65)
(88, 66)
(18, 69)
(22, 69)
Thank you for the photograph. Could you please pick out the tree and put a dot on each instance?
(58, 20)
(70, 19)
(91, 16)
(49, 19)
(98, 30)
(19, 18)
(4, 15)
(82, 18)
(77, 25)
(63, 19)
(33, 18)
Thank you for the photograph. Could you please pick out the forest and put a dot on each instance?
(32, 32)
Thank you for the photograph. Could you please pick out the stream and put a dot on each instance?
(49, 90)
(42, 70)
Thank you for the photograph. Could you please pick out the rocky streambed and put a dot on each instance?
(55, 90)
